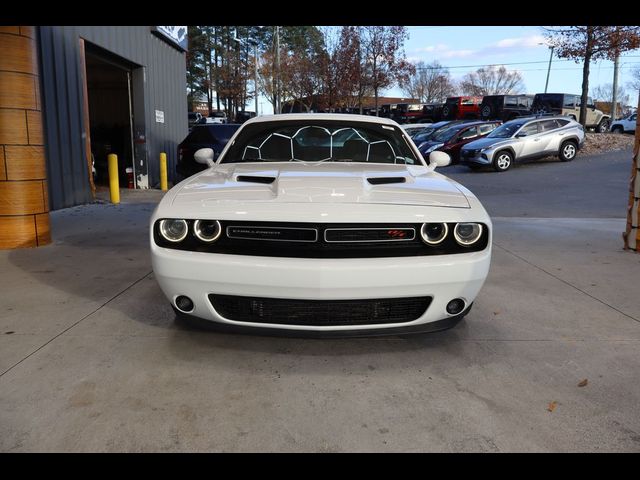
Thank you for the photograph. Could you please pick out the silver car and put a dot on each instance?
(531, 137)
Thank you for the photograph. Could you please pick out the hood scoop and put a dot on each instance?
(386, 180)
(255, 179)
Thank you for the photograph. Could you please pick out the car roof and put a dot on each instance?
(345, 117)
(533, 118)
(471, 124)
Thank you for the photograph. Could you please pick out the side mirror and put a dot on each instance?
(204, 156)
(439, 159)
(520, 135)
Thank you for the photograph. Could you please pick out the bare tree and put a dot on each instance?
(384, 57)
(592, 42)
(492, 81)
(634, 84)
(604, 93)
(431, 83)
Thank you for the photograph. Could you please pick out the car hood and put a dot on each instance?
(485, 142)
(328, 182)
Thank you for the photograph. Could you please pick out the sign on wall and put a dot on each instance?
(176, 36)
(159, 116)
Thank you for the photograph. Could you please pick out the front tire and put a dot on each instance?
(617, 129)
(568, 151)
(502, 161)
(603, 126)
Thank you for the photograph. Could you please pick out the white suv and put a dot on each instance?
(627, 124)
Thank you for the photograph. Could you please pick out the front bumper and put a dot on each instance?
(476, 157)
(444, 278)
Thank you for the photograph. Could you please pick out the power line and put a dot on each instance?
(505, 64)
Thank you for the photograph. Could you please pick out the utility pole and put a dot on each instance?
(255, 78)
(614, 94)
(278, 109)
(549, 69)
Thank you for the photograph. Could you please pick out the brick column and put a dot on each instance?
(24, 208)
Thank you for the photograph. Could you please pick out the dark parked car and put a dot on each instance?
(417, 112)
(213, 135)
(193, 118)
(422, 113)
(452, 138)
(425, 133)
(243, 116)
(407, 112)
(505, 107)
(460, 108)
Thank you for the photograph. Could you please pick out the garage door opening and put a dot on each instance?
(111, 123)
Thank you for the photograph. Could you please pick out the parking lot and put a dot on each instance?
(547, 360)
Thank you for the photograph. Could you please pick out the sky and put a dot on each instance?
(464, 49)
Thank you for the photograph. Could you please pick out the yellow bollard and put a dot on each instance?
(163, 172)
(114, 183)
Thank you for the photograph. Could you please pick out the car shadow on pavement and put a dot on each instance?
(98, 272)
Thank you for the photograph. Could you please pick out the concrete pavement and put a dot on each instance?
(91, 359)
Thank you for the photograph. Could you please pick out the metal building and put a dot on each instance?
(69, 96)
(110, 89)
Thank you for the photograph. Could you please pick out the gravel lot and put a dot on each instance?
(603, 142)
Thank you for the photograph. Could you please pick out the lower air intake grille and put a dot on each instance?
(319, 312)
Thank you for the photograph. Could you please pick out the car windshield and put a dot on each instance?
(422, 133)
(505, 131)
(446, 134)
(320, 141)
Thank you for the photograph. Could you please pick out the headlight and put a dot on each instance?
(434, 233)
(207, 230)
(174, 230)
(467, 233)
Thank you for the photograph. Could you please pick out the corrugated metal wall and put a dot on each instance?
(61, 83)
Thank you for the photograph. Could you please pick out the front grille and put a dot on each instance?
(272, 234)
(319, 312)
(384, 234)
(315, 240)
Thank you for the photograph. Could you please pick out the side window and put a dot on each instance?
(511, 102)
(562, 123)
(547, 125)
(633, 117)
(484, 129)
(470, 133)
(524, 102)
(530, 129)
(569, 101)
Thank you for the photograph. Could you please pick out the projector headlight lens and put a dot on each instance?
(467, 233)
(434, 233)
(173, 229)
(207, 230)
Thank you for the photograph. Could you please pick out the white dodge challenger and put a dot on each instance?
(331, 225)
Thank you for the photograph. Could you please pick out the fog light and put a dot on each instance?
(184, 304)
(455, 306)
